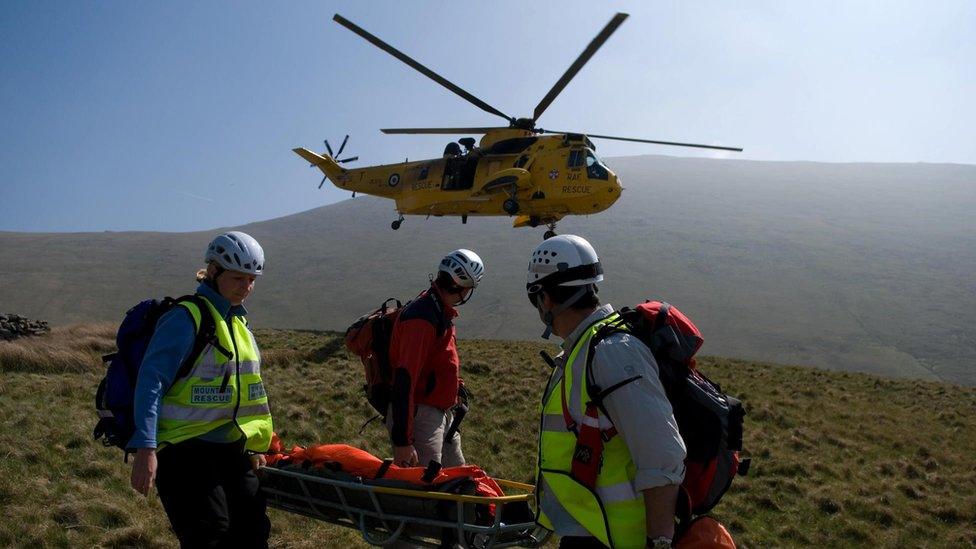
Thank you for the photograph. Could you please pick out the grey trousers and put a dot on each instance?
(429, 426)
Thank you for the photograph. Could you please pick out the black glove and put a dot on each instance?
(464, 394)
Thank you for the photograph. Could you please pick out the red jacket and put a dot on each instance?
(424, 358)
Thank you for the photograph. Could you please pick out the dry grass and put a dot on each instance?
(73, 348)
(840, 460)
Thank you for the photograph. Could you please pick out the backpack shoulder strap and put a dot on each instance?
(662, 314)
(597, 393)
(206, 334)
(629, 321)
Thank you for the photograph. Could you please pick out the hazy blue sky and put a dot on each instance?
(182, 116)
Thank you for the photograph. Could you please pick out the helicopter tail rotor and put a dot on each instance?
(341, 147)
(335, 155)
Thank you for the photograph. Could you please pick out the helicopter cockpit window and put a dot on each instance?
(576, 158)
(595, 168)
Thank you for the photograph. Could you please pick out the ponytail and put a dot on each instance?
(203, 275)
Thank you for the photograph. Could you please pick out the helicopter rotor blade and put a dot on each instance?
(578, 64)
(446, 131)
(323, 181)
(326, 141)
(350, 159)
(343, 146)
(418, 67)
(673, 143)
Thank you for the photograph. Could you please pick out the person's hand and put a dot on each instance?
(405, 456)
(144, 470)
(463, 393)
(258, 461)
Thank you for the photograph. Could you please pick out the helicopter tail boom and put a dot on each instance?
(327, 164)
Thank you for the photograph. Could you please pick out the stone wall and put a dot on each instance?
(14, 326)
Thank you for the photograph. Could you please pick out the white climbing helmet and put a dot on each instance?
(236, 251)
(563, 260)
(464, 266)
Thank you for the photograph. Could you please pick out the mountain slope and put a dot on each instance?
(862, 267)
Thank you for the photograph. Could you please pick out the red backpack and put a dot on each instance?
(710, 422)
(369, 338)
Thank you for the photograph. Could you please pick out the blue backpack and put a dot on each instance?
(115, 396)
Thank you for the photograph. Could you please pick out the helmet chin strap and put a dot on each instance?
(212, 282)
(548, 317)
(465, 299)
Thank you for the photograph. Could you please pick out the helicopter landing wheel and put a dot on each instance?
(511, 206)
(396, 224)
(550, 233)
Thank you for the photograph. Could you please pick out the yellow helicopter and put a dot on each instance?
(520, 170)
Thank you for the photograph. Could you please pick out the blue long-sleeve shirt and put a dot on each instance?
(171, 343)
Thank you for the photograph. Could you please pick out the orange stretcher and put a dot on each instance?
(444, 508)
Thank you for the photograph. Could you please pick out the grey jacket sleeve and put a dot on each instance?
(640, 410)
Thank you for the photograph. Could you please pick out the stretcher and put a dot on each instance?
(385, 511)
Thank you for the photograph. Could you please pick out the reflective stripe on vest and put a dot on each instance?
(193, 413)
(554, 423)
(614, 511)
(203, 401)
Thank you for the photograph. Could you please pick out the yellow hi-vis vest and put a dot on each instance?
(614, 511)
(219, 388)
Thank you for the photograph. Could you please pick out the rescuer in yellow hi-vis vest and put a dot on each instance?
(607, 475)
(200, 431)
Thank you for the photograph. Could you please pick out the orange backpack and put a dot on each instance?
(710, 421)
(705, 533)
(369, 338)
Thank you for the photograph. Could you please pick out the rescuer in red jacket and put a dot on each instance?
(426, 369)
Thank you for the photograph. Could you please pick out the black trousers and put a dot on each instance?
(211, 495)
(580, 542)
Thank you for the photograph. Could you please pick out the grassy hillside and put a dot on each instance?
(840, 459)
(858, 267)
